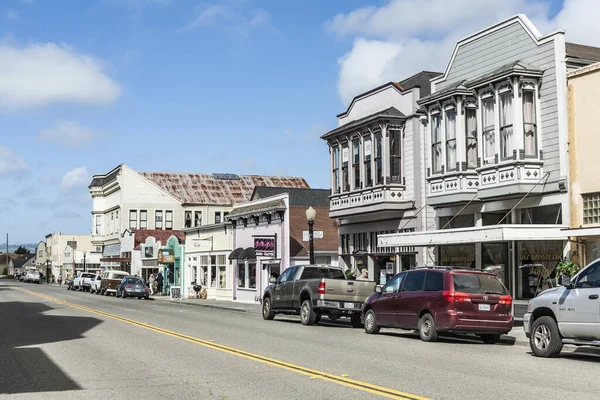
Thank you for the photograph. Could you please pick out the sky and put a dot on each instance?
(237, 86)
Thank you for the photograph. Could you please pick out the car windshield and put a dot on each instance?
(134, 281)
(478, 283)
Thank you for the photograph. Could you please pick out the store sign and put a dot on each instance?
(166, 257)
(316, 235)
(264, 247)
(463, 255)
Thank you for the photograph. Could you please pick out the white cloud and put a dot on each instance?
(68, 134)
(41, 74)
(65, 214)
(12, 15)
(389, 46)
(75, 178)
(235, 21)
(11, 164)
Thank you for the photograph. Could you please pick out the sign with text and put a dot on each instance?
(264, 247)
(316, 235)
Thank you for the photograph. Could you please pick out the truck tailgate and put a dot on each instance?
(347, 290)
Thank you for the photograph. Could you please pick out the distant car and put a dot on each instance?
(83, 281)
(33, 277)
(132, 286)
(95, 287)
(441, 299)
(69, 282)
(109, 281)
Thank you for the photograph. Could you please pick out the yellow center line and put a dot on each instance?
(340, 380)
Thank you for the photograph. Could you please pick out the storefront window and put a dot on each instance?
(383, 269)
(538, 260)
(241, 274)
(222, 277)
(457, 255)
(495, 260)
(542, 215)
(252, 276)
(460, 221)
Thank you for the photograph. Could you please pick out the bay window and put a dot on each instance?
(506, 125)
(395, 156)
(451, 139)
(378, 160)
(345, 172)
(356, 163)
(368, 170)
(489, 136)
(436, 144)
(471, 136)
(529, 125)
(336, 169)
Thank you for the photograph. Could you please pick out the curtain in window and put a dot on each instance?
(489, 139)
(471, 126)
(506, 122)
(451, 139)
(395, 156)
(529, 126)
(436, 145)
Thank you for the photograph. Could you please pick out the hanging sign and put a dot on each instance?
(316, 235)
(264, 247)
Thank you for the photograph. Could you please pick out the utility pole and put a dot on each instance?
(84, 254)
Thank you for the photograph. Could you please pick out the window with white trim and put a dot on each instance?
(336, 169)
(378, 160)
(591, 208)
(506, 124)
(396, 156)
(345, 172)
(197, 218)
(143, 219)
(436, 144)
(356, 163)
(168, 220)
(488, 135)
(98, 224)
(368, 170)
(529, 124)
(471, 136)
(188, 219)
(133, 219)
(450, 123)
(217, 217)
(222, 271)
(158, 219)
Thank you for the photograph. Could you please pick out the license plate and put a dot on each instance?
(484, 307)
(138, 290)
(348, 305)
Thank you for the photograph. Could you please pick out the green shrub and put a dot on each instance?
(568, 268)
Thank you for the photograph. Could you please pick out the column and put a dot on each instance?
(373, 165)
(518, 132)
(341, 160)
(461, 140)
(385, 149)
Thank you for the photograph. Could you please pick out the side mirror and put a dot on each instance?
(565, 280)
(378, 289)
(272, 280)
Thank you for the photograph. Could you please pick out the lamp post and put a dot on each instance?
(84, 254)
(310, 216)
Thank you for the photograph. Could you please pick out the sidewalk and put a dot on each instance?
(217, 304)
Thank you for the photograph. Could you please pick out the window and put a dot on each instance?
(117, 221)
(222, 272)
(434, 281)
(395, 156)
(436, 144)
(368, 170)
(241, 274)
(133, 219)
(591, 208)
(158, 220)
(489, 137)
(213, 271)
(506, 124)
(589, 278)
(451, 139)
(356, 163)
(143, 219)
(286, 275)
(188, 219)
(112, 223)
(252, 275)
(393, 285)
(414, 281)
(168, 220)
(471, 137)
(98, 224)
(378, 160)
(529, 125)
(98, 249)
(217, 217)
(345, 173)
(197, 218)
(345, 243)
(478, 283)
(319, 273)
(336, 169)
(543, 215)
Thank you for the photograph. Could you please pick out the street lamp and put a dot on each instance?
(310, 216)
(84, 254)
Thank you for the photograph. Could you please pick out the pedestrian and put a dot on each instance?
(160, 281)
(41, 278)
(151, 281)
(364, 275)
(59, 280)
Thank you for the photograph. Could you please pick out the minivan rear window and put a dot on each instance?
(478, 283)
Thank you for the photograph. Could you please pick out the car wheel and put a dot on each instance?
(371, 326)
(307, 314)
(146, 297)
(355, 321)
(123, 294)
(267, 312)
(545, 340)
(427, 331)
(490, 338)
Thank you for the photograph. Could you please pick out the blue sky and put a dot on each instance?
(173, 85)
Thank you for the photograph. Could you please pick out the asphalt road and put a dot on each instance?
(89, 346)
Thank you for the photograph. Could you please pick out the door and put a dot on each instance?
(408, 305)
(288, 288)
(269, 271)
(579, 307)
(385, 305)
(277, 300)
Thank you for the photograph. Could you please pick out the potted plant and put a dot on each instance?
(567, 267)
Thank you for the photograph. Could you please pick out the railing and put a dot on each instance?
(368, 196)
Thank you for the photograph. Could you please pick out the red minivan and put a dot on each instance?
(441, 299)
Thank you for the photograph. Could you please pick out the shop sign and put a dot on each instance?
(458, 255)
(166, 257)
(264, 247)
(316, 235)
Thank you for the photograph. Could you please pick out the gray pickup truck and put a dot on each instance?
(569, 314)
(316, 290)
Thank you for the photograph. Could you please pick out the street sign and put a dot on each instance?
(316, 235)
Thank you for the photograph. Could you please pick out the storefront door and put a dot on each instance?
(269, 270)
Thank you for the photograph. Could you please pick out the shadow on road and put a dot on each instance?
(30, 370)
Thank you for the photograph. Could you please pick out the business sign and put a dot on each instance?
(166, 257)
(316, 235)
(264, 247)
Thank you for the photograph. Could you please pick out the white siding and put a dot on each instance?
(378, 101)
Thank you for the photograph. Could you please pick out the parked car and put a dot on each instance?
(95, 287)
(313, 291)
(83, 281)
(441, 299)
(109, 281)
(69, 282)
(132, 286)
(568, 314)
(33, 277)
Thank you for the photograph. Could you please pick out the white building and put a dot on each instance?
(55, 251)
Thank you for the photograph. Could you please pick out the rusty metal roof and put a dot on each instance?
(217, 189)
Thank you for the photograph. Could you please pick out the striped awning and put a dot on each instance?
(111, 250)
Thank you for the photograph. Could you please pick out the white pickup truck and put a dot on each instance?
(83, 281)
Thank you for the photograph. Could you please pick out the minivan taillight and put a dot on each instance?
(505, 300)
(321, 287)
(456, 297)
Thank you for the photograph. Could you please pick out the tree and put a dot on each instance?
(21, 250)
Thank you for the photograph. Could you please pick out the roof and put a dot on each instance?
(19, 262)
(222, 189)
(391, 112)
(298, 197)
(101, 180)
(582, 52)
(140, 236)
(421, 80)
(256, 208)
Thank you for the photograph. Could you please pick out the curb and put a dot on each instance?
(203, 305)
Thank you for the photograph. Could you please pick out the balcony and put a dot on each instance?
(452, 187)
(379, 198)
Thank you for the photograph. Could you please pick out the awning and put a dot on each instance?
(583, 233)
(248, 254)
(484, 234)
(234, 255)
(115, 259)
(111, 250)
